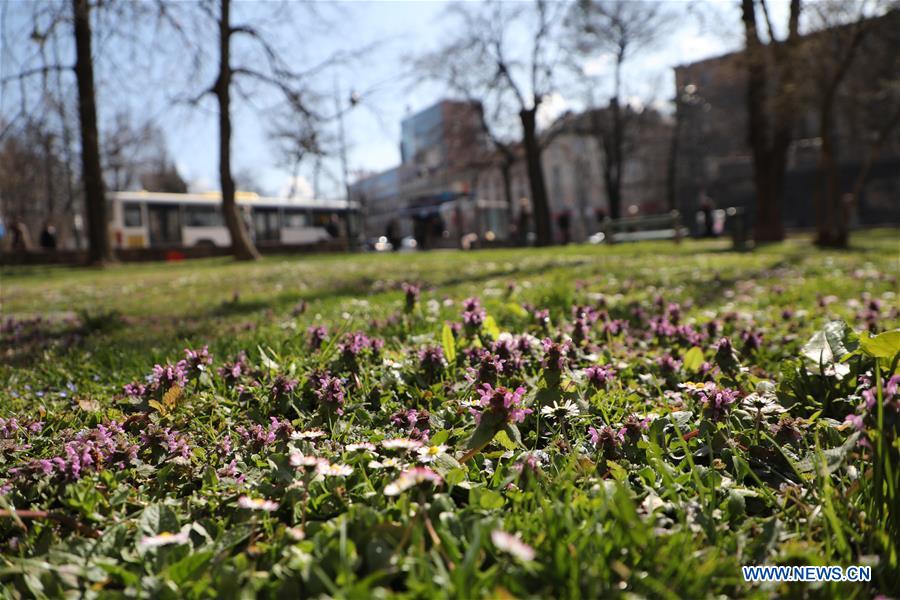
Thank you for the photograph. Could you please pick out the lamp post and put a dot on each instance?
(353, 100)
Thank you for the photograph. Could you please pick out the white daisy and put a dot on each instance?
(257, 504)
(429, 454)
(512, 544)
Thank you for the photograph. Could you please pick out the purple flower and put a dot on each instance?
(330, 392)
(231, 372)
(258, 437)
(135, 389)
(197, 361)
(431, 361)
(716, 401)
(668, 364)
(607, 440)
(167, 376)
(502, 403)
(282, 386)
(415, 422)
(489, 366)
(90, 450)
(317, 335)
(599, 375)
(473, 315)
(752, 340)
(412, 295)
(555, 354)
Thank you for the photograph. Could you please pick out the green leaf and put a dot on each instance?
(444, 464)
(503, 439)
(455, 477)
(486, 498)
(187, 568)
(694, 359)
(485, 432)
(884, 345)
(516, 309)
(440, 437)
(833, 457)
(449, 344)
(490, 327)
(831, 343)
(158, 518)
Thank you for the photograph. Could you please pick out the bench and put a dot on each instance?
(665, 226)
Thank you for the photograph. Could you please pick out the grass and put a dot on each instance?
(669, 509)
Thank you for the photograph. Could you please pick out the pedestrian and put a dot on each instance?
(48, 237)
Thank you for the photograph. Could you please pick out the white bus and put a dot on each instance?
(152, 219)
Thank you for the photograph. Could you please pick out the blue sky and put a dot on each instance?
(401, 29)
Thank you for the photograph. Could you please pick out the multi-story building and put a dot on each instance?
(451, 184)
(713, 161)
(572, 159)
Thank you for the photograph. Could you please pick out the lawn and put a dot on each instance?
(571, 422)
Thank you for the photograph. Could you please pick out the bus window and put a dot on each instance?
(131, 212)
(294, 219)
(203, 216)
(266, 224)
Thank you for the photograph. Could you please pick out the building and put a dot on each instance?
(714, 161)
(441, 148)
(452, 186)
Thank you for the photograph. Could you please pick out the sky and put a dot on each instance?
(394, 32)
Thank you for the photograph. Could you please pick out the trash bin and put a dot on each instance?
(737, 225)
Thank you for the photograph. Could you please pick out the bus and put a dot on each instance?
(159, 220)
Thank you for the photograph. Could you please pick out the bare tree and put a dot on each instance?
(270, 71)
(480, 60)
(771, 103)
(830, 54)
(621, 29)
(99, 249)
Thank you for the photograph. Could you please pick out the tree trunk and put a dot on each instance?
(830, 218)
(541, 208)
(766, 170)
(506, 176)
(241, 245)
(99, 250)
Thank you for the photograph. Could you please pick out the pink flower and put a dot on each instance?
(503, 403)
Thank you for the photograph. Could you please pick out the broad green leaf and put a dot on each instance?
(485, 431)
(516, 309)
(503, 439)
(486, 498)
(884, 345)
(444, 464)
(830, 343)
(158, 518)
(455, 477)
(490, 327)
(694, 359)
(440, 437)
(188, 567)
(449, 344)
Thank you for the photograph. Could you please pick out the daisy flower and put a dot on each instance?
(513, 545)
(429, 454)
(566, 410)
(312, 434)
(257, 504)
(166, 538)
(401, 444)
(330, 470)
(410, 478)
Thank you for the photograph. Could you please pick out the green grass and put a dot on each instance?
(674, 514)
